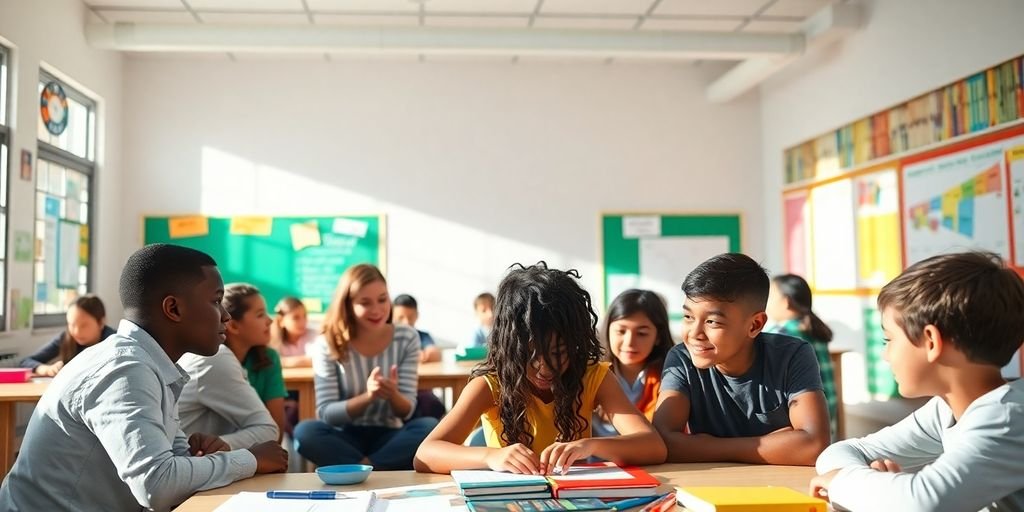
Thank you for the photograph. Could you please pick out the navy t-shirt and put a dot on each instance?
(753, 404)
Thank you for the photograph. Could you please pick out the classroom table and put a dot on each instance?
(10, 396)
(716, 474)
(448, 375)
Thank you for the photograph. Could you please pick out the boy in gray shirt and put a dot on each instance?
(951, 323)
(740, 394)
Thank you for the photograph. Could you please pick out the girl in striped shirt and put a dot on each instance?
(365, 379)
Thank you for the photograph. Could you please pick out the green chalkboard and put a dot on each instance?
(297, 256)
(656, 250)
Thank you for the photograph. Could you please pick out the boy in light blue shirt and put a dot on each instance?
(951, 323)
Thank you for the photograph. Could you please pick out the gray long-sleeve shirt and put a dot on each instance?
(976, 463)
(218, 400)
(105, 436)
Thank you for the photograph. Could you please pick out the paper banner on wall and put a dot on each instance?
(796, 234)
(69, 246)
(640, 226)
(185, 227)
(252, 226)
(50, 261)
(23, 246)
(305, 234)
(350, 227)
(1015, 156)
(83, 254)
(665, 262)
(878, 225)
(313, 305)
(956, 202)
(21, 311)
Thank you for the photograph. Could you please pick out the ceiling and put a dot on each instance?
(764, 16)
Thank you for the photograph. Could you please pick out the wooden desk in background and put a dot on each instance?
(10, 396)
(794, 477)
(446, 375)
(836, 355)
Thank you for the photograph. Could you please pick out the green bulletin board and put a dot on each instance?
(655, 251)
(297, 256)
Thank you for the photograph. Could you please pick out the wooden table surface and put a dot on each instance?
(10, 396)
(794, 477)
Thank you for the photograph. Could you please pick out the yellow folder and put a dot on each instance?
(747, 499)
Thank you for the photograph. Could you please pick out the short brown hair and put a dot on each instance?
(972, 298)
(482, 299)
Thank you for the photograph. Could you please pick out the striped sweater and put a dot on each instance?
(336, 382)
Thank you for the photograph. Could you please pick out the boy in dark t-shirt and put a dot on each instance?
(743, 395)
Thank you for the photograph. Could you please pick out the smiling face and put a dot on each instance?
(83, 327)
(253, 329)
(540, 375)
(719, 333)
(371, 305)
(632, 338)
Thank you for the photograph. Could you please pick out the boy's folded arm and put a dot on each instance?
(981, 466)
(911, 443)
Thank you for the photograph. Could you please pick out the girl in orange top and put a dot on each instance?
(636, 338)
(536, 390)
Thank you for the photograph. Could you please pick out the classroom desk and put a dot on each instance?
(795, 477)
(443, 374)
(836, 355)
(10, 396)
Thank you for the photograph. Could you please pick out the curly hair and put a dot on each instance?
(538, 308)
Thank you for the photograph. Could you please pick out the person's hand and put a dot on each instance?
(559, 456)
(270, 457)
(516, 458)
(49, 370)
(885, 466)
(376, 388)
(819, 484)
(200, 444)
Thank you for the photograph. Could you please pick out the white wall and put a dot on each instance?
(906, 48)
(477, 164)
(51, 33)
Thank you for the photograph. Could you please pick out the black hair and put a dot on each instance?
(406, 301)
(798, 293)
(536, 308)
(156, 271)
(729, 277)
(652, 306)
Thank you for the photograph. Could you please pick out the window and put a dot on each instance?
(4, 163)
(64, 177)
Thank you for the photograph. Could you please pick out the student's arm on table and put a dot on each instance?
(982, 466)
(442, 451)
(637, 444)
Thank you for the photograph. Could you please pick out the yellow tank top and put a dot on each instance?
(541, 416)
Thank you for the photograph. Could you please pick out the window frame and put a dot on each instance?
(5, 140)
(53, 154)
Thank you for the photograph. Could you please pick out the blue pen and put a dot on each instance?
(307, 495)
(631, 502)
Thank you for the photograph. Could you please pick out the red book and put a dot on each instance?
(604, 480)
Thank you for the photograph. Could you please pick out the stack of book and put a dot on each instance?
(479, 485)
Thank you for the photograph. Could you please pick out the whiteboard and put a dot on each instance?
(665, 262)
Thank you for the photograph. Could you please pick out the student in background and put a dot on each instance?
(105, 434)
(537, 389)
(789, 311)
(86, 319)
(745, 395)
(406, 312)
(483, 306)
(951, 323)
(637, 339)
(222, 396)
(291, 336)
(365, 378)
